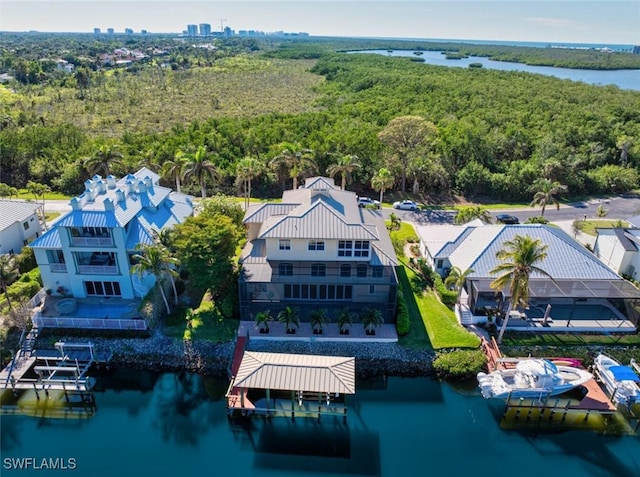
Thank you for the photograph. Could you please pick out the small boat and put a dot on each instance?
(620, 381)
(531, 378)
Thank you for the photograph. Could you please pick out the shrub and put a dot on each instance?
(403, 324)
(448, 297)
(459, 364)
(537, 220)
(26, 260)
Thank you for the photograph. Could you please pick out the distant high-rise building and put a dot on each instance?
(128, 31)
(205, 29)
(636, 50)
(110, 31)
(96, 31)
(192, 30)
(144, 32)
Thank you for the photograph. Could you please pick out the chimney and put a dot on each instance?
(111, 182)
(75, 204)
(101, 187)
(119, 196)
(131, 186)
(149, 183)
(142, 188)
(108, 205)
(88, 184)
(89, 195)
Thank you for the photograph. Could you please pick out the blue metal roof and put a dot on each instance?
(82, 218)
(50, 239)
(137, 234)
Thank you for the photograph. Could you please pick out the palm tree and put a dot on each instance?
(296, 159)
(262, 320)
(467, 214)
(371, 318)
(247, 169)
(345, 319)
(82, 80)
(344, 166)
(545, 192)
(318, 320)
(519, 257)
(105, 157)
(199, 167)
(7, 191)
(289, 316)
(382, 181)
(154, 259)
(8, 274)
(39, 190)
(456, 279)
(175, 169)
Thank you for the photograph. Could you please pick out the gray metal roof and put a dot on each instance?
(320, 183)
(635, 221)
(625, 240)
(257, 214)
(297, 372)
(12, 211)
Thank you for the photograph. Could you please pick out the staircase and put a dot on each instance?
(30, 341)
(464, 315)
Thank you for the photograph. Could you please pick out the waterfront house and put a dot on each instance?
(317, 249)
(584, 295)
(19, 224)
(88, 251)
(619, 249)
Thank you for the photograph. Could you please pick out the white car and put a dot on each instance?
(405, 205)
(368, 202)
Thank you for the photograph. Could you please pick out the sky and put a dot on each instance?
(554, 21)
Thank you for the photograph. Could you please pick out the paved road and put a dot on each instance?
(621, 207)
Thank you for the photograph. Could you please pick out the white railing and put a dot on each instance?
(58, 267)
(37, 299)
(95, 323)
(92, 241)
(98, 269)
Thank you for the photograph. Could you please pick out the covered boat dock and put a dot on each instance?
(295, 385)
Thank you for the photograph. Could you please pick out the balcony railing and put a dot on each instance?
(95, 323)
(58, 267)
(98, 269)
(92, 241)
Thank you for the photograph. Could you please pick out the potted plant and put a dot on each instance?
(262, 321)
(345, 320)
(371, 319)
(289, 317)
(318, 320)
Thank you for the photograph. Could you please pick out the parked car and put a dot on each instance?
(405, 205)
(368, 202)
(507, 219)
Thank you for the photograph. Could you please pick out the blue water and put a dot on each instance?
(176, 424)
(84, 310)
(625, 79)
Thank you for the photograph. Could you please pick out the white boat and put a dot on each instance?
(531, 378)
(620, 381)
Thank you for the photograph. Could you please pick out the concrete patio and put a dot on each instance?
(383, 334)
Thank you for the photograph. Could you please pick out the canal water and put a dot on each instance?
(176, 425)
(624, 79)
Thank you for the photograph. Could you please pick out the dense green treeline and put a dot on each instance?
(495, 132)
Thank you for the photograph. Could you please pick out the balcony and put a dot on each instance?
(92, 241)
(58, 267)
(98, 269)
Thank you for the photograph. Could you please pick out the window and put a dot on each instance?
(345, 248)
(361, 248)
(102, 288)
(316, 245)
(25, 225)
(439, 263)
(361, 271)
(285, 244)
(376, 272)
(345, 270)
(372, 289)
(318, 270)
(318, 292)
(285, 269)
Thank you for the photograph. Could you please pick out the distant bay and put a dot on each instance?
(624, 79)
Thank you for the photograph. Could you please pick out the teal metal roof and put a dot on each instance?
(50, 239)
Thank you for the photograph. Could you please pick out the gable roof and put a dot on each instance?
(296, 372)
(320, 183)
(16, 211)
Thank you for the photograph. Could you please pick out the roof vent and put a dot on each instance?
(111, 182)
(119, 196)
(131, 186)
(142, 188)
(89, 195)
(101, 187)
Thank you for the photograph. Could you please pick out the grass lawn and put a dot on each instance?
(544, 339)
(49, 216)
(589, 226)
(417, 337)
(406, 234)
(207, 326)
(24, 194)
(440, 322)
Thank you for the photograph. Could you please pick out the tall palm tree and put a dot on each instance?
(199, 167)
(102, 160)
(175, 169)
(382, 181)
(296, 159)
(39, 190)
(457, 278)
(344, 166)
(545, 193)
(520, 258)
(248, 168)
(8, 274)
(154, 259)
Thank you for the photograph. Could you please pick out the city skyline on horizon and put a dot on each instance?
(565, 21)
